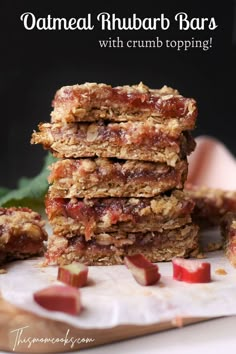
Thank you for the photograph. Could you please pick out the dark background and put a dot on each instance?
(34, 64)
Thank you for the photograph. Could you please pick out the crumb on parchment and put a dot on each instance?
(221, 271)
(3, 271)
(200, 255)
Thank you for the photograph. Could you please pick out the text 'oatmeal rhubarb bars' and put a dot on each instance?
(117, 188)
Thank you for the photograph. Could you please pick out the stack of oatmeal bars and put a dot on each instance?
(117, 187)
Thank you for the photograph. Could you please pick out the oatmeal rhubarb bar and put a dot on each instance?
(92, 102)
(228, 230)
(210, 204)
(21, 234)
(110, 248)
(90, 216)
(102, 177)
(117, 188)
(126, 140)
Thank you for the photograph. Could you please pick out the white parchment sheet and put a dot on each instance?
(112, 296)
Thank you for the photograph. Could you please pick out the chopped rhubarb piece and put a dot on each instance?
(75, 274)
(191, 271)
(59, 298)
(143, 271)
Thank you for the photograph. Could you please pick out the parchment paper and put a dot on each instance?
(112, 296)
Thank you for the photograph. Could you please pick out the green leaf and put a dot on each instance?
(23, 181)
(31, 191)
(3, 191)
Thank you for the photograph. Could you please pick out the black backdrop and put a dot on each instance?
(34, 64)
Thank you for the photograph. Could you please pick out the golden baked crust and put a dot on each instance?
(210, 204)
(228, 230)
(21, 234)
(92, 102)
(130, 140)
(101, 177)
(91, 216)
(110, 249)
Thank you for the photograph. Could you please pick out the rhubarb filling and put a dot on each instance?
(90, 216)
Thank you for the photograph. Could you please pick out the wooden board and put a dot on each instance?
(17, 326)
